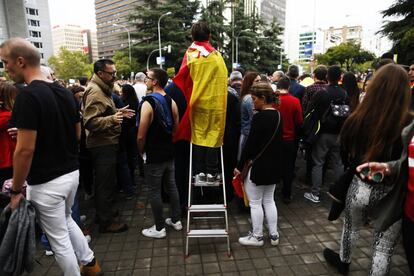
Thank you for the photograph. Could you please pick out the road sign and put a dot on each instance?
(162, 60)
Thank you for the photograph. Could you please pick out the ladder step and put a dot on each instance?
(201, 233)
(207, 184)
(207, 208)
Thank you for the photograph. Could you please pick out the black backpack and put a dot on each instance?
(337, 112)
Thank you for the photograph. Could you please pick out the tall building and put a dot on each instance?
(336, 36)
(310, 43)
(113, 37)
(28, 19)
(75, 38)
(268, 9)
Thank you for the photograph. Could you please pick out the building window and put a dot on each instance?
(35, 23)
(41, 55)
(35, 34)
(38, 45)
(32, 11)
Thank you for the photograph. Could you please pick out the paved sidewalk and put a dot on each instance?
(304, 232)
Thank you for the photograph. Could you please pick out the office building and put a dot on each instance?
(268, 9)
(113, 37)
(75, 38)
(336, 36)
(28, 19)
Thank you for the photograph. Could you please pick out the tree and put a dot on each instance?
(175, 30)
(213, 15)
(401, 31)
(71, 64)
(346, 55)
(270, 49)
(121, 59)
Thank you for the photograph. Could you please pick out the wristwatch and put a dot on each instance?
(13, 192)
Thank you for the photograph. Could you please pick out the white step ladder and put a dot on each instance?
(206, 208)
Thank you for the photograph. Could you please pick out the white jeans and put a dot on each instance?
(261, 197)
(53, 201)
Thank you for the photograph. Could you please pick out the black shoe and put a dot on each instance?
(334, 260)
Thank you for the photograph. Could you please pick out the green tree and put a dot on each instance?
(175, 30)
(401, 31)
(270, 49)
(346, 55)
(213, 15)
(71, 64)
(123, 67)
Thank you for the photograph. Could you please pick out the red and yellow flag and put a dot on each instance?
(203, 80)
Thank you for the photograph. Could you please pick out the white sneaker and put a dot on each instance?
(49, 253)
(153, 233)
(210, 178)
(274, 239)
(250, 239)
(200, 178)
(177, 226)
(312, 197)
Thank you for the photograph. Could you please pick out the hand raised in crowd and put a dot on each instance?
(12, 132)
(118, 117)
(126, 112)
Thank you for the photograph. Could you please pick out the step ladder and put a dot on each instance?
(206, 208)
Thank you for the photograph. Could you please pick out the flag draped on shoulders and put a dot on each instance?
(203, 81)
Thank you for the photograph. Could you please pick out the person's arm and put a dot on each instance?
(175, 115)
(78, 131)
(22, 161)
(146, 117)
(94, 119)
(250, 147)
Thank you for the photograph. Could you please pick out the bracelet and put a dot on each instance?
(13, 192)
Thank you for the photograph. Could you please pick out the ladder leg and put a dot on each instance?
(190, 175)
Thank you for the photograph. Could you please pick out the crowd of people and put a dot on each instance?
(101, 133)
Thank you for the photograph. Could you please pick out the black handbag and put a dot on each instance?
(338, 193)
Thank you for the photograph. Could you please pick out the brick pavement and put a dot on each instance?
(304, 232)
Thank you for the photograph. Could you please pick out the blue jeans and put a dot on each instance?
(157, 174)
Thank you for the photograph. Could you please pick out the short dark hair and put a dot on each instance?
(383, 61)
(100, 65)
(334, 73)
(200, 31)
(320, 72)
(83, 80)
(387, 55)
(160, 75)
(293, 71)
(283, 83)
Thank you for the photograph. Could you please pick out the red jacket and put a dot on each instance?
(291, 112)
(409, 202)
(7, 144)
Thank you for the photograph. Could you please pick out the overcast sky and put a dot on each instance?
(299, 13)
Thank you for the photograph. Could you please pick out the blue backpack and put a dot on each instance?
(162, 112)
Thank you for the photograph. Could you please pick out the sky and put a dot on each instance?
(299, 13)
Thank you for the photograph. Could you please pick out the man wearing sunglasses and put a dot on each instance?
(102, 122)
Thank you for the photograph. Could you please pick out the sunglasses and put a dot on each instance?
(377, 177)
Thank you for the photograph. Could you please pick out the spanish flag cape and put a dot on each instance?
(202, 78)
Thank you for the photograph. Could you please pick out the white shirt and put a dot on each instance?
(140, 90)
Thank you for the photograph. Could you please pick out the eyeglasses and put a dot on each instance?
(113, 74)
(148, 78)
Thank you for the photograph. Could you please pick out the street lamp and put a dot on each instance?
(159, 35)
(153, 51)
(129, 41)
(237, 46)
